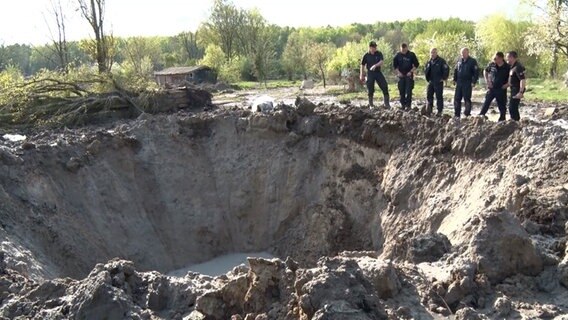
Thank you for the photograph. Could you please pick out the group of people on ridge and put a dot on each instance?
(503, 73)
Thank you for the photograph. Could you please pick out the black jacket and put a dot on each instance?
(369, 60)
(405, 62)
(498, 75)
(516, 74)
(466, 71)
(437, 70)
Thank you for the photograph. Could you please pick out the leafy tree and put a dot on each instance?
(102, 48)
(320, 55)
(139, 49)
(296, 55)
(549, 36)
(497, 33)
(260, 38)
(214, 57)
(448, 45)
(349, 56)
(191, 49)
(223, 26)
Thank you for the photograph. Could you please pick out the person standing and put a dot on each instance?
(466, 75)
(497, 78)
(405, 64)
(437, 71)
(373, 61)
(518, 83)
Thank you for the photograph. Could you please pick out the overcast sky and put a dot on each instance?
(22, 21)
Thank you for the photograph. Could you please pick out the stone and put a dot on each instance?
(264, 104)
(502, 248)
(563, 272)
(73, 165)
(307, 84)
(428, 247)
(94, 147)
(468, 314)
(305, 107)
(548, 280)
(28, 145)
(502, 307)
(382, 275)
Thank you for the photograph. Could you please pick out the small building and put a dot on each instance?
(176, 76)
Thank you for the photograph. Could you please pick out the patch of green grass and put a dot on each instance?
(546, 91)
(271, 84)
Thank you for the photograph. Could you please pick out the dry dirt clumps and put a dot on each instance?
(375, 215)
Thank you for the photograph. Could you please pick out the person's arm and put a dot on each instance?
(522, 77)
(486, 73)
(455, 74)
(475, 78)
(445, 70)
(427, 71)
(415, 64)
(378, 64)
(396, 65)
(362, 69)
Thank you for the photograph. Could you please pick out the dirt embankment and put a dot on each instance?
(382, 214)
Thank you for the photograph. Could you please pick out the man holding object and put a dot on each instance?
(373, 60)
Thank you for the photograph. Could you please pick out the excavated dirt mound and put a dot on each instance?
(378, 214)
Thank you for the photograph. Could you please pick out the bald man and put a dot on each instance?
(466, 75)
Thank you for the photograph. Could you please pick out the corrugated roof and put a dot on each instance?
(180, 70)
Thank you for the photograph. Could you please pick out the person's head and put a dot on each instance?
(404, 48)
(372, 47)
(464, 53)
(433, 53)
(499, 58)
(512, 57)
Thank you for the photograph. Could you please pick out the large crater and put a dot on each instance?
(170, 191)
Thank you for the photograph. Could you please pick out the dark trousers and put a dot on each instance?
(435, 88)
(405, 87)
(379, 78)
(500, 95)
(514, 104)
(463, 91)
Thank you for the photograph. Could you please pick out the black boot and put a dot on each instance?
(429, 110)
(467, 111)
(387, 102)
(371, 102)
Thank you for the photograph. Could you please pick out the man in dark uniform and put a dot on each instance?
(405, 63)
(436, 72)
(466, 75)
(497, 78)
(518, 83)
(373, 60)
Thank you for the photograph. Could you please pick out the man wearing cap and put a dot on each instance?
(373, 60)
(436, 72)
(517, 82)
(466, 75)
(497, 78)
(405, 64)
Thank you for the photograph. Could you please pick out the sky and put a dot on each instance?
(24, 21)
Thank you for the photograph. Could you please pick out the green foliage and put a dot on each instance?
(448, 45)
(138, 76)
(295, 58)
(214, 57)
(349, 56)
(319, 56)
(497, 33)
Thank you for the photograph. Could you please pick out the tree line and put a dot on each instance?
(242, 45)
